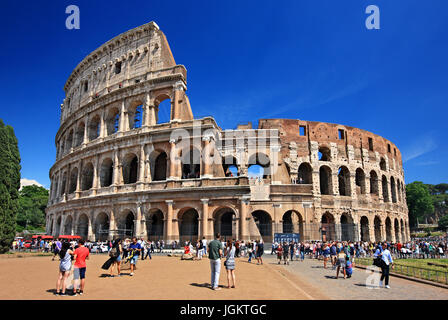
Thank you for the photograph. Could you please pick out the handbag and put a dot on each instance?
(377, 262)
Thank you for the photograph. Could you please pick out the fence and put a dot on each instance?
(412, 271)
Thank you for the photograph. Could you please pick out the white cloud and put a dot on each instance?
(421, 145)
(28, 182)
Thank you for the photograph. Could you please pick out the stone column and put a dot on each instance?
(103, 125)
(204, 220)
(122, 124)
(244, 230)
(86, 137)
(169, 221)
(206, 158)
(179, 88)
(372, 230)
(95, 176)
(112, 225)
(316, 182)
(335, 184)
(90, 229)
(173, 159)
(392, 230)
(137, 221)
(141, 168)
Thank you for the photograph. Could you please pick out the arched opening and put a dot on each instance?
(399, 190)
(305, 174)
(225, 223)
(87, 177)
(373, 183)
(403, 238)
(130, 169)
(230, 166)
(364, 229)
(393, 190)
(292, 222)
(326, 186)
(155, 225)
(126, 224)
(383, 164)
(135, 116)
(344, 181)
(94, 128)
(79, 134)
(83, 226)
(377, 227)
(348, 228)
(106, 172)
(163, 109)
(191, 164)
(360, 179)
(160, 166)
(102, 227)
(259, 166)
(64, 183)
(328, 228)
(73, 180)
(324, 154)
(385, 191)
(263, 222)
(113, 121)
(68, 226)
(69, 142)
(189, 225)
(388, 230)
(397, 230)
(58, 226)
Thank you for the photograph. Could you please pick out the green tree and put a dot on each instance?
(443, 222)
(419, 201)
(32, 203)
(9, 185)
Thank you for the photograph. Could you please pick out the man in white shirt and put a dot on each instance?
(204, 244)
(387, 262)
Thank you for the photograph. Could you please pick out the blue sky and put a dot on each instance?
(246, 60)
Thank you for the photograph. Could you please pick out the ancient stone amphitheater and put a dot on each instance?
(121, 170)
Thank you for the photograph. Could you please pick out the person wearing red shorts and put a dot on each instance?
(79, 272)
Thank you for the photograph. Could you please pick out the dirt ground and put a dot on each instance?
(162, 278)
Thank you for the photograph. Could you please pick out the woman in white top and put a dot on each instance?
(230, 263)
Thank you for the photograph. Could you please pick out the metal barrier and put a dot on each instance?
(412, 271)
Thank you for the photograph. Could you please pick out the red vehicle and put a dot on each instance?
(70, 238)
(27, 244)
(43, 237)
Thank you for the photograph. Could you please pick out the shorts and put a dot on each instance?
(134, 260)
(79, 273)
(118, 259)
(259, 254)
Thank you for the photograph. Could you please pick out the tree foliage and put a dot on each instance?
(419, 201)
(443, 222)
(9, 185)
(32, 203)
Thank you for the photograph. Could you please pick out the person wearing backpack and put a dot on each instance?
(115, 253)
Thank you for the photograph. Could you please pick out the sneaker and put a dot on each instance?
(217, 288)
(62, 294)
(81, 292)
(56, 293)
(388, 287)
(131, 274)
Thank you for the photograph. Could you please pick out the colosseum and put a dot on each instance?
(123, 170)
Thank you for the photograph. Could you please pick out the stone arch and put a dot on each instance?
(328, 227)
(292, 222)
(73, 180)
(155, 224)
(101, 227)
(259, 163)
(163, 105)
(191, 163)
(364, 222)
(83, 226)
(397, 230)
(374, 183)
(263, 221)
(135, 114)
(348, 229)
(188, 224)
(403, 237)
(360, 181)
(112, 121)
(130, 168)
(377, 227)
(305, 175)
(69, 143)
(106, 172)
(324, 154)
(159, 165)
(225, 223)
(388, 225)
(344, 181)
(230, 166)
(87, 177)
(326, 185)
(385, 189)
(126, 224)
(94, 127)
(79, 134)
(58, 225)
(393, 190)
(68, 225)
(383, 164)
(63, 183)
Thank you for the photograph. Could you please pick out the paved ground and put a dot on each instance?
(169, 278)
(312, 271)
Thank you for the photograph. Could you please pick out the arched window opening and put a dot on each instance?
(160, 167)
(191, 164)
(155, 225)
(373, 183)
(383, 164)
(385, 191)
(113, 121)
(106, 173)
(328, 228)
(365, 229)
(360, 181)
(225, 223)
(163, 110)
(263, 222)
(393, 190)
(305, 174)
(188, 227)
(325, 180)
(130, 169)
(259, 166)
(230, 167)
(344, 181)
(79, 135)
(135, 117)
(377, 227)
(324, 154)
(94, 128)
(73, 180)
(87, 177)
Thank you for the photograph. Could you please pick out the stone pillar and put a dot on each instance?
(316, 182)
(169, 221)
(141, 168)
(137, 221)
(90, 229)
(179, 88)
(335, 184)
(173, 159)
(95, 183)
(112, 225)
(122, 124)
(392, 230)
(207, 158)
(204, 220)
(354, 195)
(372, 230)
(244, 230)
(86, 136)
(103, 125)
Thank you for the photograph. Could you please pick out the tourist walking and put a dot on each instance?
(386, 263)
(79, 273)
(214, 254)
(115, 252)
(229, 263)
(64, 268)
(340, 263)
(285, 253)
(56, 249)
(260, 251)
(135, 250)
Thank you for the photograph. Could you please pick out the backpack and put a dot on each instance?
(113, 253)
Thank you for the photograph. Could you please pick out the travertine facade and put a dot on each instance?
(119, 172)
